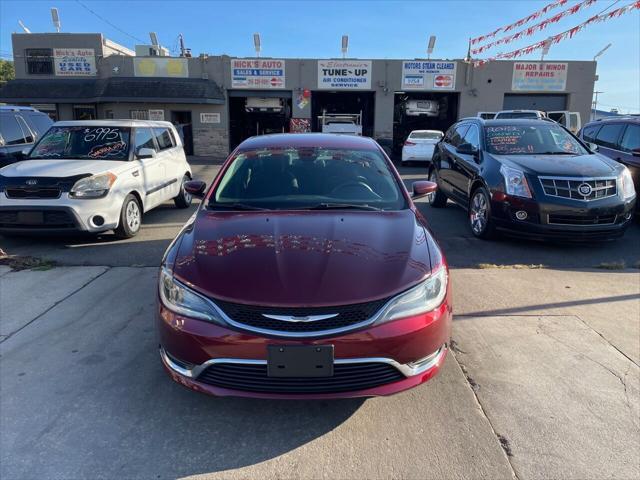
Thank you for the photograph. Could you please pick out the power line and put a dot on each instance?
(108, 22)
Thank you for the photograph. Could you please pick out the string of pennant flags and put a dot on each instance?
(535, 28)
(561, 36)
(519, 23)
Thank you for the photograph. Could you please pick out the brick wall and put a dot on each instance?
(210, 141)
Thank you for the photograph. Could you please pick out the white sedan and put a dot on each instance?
(419, 145)
(94, 176)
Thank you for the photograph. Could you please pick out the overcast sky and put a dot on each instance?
(377, 29)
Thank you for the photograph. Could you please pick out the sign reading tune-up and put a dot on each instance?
(257, 73)
(539, 77)
(344, 74)
(428, 75)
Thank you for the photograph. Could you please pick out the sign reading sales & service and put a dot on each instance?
(428, 75)
(344, 74)
(539, 77)
(257, 73)
(74, 62)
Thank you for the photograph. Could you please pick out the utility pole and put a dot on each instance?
(595, 104)
(182, 50)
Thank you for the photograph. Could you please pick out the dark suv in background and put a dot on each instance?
(532, 178)
(20, 127)
(617, 138)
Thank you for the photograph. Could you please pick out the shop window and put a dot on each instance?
(84, 112)
(39, 61)
(139, 114)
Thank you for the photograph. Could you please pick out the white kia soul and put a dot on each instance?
(94, 176)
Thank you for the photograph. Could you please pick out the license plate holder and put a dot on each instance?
(300, 360)
(30, 218)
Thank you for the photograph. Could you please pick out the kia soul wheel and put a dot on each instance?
(130, 218)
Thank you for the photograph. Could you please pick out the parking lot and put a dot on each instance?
(543, 380)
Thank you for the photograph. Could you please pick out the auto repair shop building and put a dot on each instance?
(218, 101)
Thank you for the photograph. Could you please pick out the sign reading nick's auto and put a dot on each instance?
(257, 73)
(74, 62)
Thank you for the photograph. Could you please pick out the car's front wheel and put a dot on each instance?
(436, 199)
(130, 218)
(480, 214)
(184, 198)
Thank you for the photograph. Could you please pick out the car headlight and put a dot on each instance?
(182, 300)
(422, 298)
(95, 186)
(628, 191)
(516, 182)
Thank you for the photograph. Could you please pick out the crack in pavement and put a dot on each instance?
(503, 441)
(53, 306)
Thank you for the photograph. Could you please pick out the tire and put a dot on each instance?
(183, 199)
(436, 199)
(130, 218)
(480, 214)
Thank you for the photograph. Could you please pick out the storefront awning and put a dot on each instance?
(128, 89)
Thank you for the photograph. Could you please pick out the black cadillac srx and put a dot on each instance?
(531, 178)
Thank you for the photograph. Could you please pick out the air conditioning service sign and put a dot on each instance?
(344, 74)
(428, 75)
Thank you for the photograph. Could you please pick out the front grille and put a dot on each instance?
(50, 219)
(346, 378)
(570, 187)
(582, 219)
(348, 315)
(22, 192)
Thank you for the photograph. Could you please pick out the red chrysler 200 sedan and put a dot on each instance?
(307, 272)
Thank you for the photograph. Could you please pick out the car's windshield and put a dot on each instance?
(84, 143)
(426, 135)
(302, 178)
(545, 138)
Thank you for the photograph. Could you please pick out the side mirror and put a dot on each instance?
(142, 153)
(25, 151)
(195, 188)
(422, 188)
(592, 146)
(635, 152)
(466, 149)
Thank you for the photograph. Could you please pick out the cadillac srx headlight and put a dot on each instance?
(182, 300)
(516, 182)
(628, 191)
(422, 298)
(95, 186)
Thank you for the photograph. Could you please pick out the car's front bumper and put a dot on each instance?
(59, 215)
(414, 348)
(562, 219)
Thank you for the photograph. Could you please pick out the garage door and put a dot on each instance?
(542, 102)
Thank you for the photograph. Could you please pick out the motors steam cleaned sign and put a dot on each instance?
(344, 74)
(539, 77)
(257, 73)
(428, 75)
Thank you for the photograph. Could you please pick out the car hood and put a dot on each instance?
(594, 165)
(303, 258)
(58, 168)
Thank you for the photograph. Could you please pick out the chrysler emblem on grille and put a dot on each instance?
(32, 181)
(306, 318)
(585, 189)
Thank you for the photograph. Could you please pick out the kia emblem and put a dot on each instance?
(32, 181)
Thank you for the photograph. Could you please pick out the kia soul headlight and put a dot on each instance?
(95, 186)
(425, 297)
(182, 300)
(515, 182)
(628, 191)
